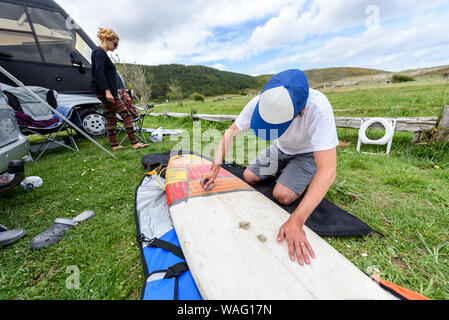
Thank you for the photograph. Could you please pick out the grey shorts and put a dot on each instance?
(297, 170)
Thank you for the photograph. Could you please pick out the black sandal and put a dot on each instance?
(9, 237)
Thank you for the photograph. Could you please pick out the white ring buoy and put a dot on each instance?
(389, 131)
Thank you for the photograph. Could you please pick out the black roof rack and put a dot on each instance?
(43, 4)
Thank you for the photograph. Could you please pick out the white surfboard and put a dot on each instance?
(231, 263)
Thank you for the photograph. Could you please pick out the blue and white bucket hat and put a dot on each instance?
(282, 100)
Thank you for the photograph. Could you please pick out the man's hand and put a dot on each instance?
(211, 175)
(297, 241)
(109, 96)
(326, 163)
(223, 147)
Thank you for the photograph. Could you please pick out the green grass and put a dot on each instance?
(422, 98)
(404, 196)
(231, 104)
(416, 99)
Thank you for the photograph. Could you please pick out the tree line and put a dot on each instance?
(176, 81)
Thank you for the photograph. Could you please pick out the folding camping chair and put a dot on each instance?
(138, 122)
(31, 112)
(50, 135)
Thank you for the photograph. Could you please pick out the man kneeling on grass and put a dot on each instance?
(301, 122)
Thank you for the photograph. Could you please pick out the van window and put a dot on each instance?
(16, 39)
(56, 41)
(57, 37)
(84, 49)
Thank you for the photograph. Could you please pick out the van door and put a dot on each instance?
(47, 50)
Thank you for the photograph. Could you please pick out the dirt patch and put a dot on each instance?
(345, 144)
(398, 262)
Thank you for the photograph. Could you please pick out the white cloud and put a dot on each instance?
(156, 32)
(295, 23)
(219, 66)
(391, 47)
(282, 33)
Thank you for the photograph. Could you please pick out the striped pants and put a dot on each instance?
(111, 109)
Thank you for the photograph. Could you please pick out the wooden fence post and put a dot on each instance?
(442, 133)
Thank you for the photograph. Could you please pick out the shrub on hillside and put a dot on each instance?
(197, 96)
(397, 78)
(174, 90)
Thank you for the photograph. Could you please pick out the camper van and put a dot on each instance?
(14, 146)
(42, 46)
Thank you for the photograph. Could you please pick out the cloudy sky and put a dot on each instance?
(268, 36)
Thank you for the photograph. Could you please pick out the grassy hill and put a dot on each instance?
(263, 79)
(205, 80)
(427, 72)
(212, 82)
(335, 74)
(319, 76)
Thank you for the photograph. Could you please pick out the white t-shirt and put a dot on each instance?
(314, 131)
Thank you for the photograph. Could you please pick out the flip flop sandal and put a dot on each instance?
(57, 231)
(83, 217)
(141, 146)
(10, 237)
(3, 228)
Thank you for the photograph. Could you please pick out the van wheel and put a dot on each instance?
(18, 178)
(94, 124)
